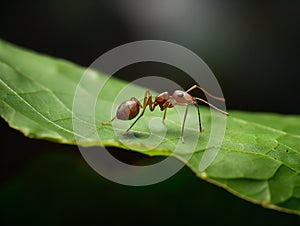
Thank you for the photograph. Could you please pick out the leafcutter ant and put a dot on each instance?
(129, 109)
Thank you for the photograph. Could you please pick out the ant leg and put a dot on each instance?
(149, 101)
(183, 123)
(134, 122)
(166, 105)
(110, 121)
(164, 116)
(164, 108)
(199, 118)
(204, 91)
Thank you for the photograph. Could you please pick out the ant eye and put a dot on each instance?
(180, 94)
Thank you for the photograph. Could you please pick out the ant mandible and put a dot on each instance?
(129, 109)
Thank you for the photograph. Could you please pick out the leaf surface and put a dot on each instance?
(258, 160)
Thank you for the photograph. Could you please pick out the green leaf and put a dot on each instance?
(259, 158)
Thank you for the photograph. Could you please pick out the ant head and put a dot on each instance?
(182, 97)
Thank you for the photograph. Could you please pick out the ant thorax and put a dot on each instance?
(183, 98)
(161, 99)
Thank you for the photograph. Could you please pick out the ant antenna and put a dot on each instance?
(206, 92)
(214, 107)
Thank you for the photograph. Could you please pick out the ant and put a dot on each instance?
(129, 109)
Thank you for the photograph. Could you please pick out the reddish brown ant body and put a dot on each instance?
(130, 109)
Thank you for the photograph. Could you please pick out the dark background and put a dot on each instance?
(252, 48)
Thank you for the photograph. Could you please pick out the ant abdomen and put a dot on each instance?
(129, 109)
